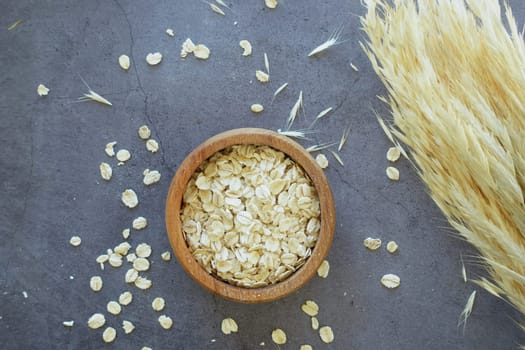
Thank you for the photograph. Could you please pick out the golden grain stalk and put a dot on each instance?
(456, 87)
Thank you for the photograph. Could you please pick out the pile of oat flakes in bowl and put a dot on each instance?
(250, 215)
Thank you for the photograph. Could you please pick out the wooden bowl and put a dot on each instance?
(174, 227)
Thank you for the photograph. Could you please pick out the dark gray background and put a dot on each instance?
(51, 188)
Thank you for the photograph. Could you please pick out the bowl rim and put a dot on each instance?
(296, 152)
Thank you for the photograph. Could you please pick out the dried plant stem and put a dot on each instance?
(456, 86)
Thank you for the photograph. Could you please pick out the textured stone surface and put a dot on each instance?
(51, 188)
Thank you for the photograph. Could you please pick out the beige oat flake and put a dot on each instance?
(143, 283)
(143, 250)
(170, 32)
(140, 223)
(96, 283)
(390, 281)
(324, 269)
(127, 326)
(123, 155)
(166, 256)
(326, 334)
(131, 276)
(372, 243)
(263, 77)
(113, 308)
(306, 347)
(257, 108)
(105, 171)
(393, 154)
(125, 298)
(110, 148)
(228, 326)
(271, 4)
(391, 247)
(151, 177)
(392, 173)
(109, 335)
(158, 304)
(124, 62)
(154, 58)
(75, 241)
(201, 52)
(42, 90)
(322, 161)
(165, 321)
(144, 132)
(141, 264)
(246, 46)
(278, 336)
(315, 323)
(96, 321)
(152, 145)
(129, 198)
(310, 308)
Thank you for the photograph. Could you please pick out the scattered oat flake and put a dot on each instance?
(123, 155)
(146, 348)
(143, 283)
(263, 77)
(393, 154)
(96, 321)
(322, 161)
(143, 250)
(354, 67)
(140, 223)
(109, 335)
(141, 264)
(129, 198)
(306, 347)
(42, 90)
(75, 241)
(390, 281)
(170, 32)
(127, 326)
(109, 148)
(125, 298)
(114, 308)
(216, 9)
(115, 260)
(323, 269)
(165, 321)
(124, 62)
(151, 177)
(131, 257)
(391, 247)
(166, 256)
(68, 323)
(131, 276)
(125, 233)
(392, 173)
(201, 51)
(271, 4)
(310, 308)
(257, 108)
(158, 304)
(96, 283)
(326, 334)
(105, 171)
(144, 132)
(228, 326)
(154, 58)
(278, 336)
(187, 47)
(372, 243)
(152, 146)
(315, 323)
(246, 46)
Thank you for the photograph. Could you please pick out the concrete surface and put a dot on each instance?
(51, 188)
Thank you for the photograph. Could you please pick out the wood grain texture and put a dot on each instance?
(174, 227)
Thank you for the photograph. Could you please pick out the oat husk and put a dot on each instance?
(456, 87)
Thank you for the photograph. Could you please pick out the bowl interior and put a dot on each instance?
(174, 227)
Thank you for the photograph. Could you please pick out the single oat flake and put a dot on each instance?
(42, 90)
(110, 148)
(315, 323)
(390, 281)
(392, 173)
(152, 146)
(166, 256)
(393, 154)
(129, 198)
(143, 250)
(125, 233)
(165, 321)
(142, 283)
(96, 321)
(131, 276)
(322, 161)
(154, 58)
(141, 264)
(105, 171)
(123, 155)
(170, 32)
(144, 132)
(124, 62)
(278, 336)
(113, 308)
(151, 177)
(323, 270)
(326, 334)
(372, 243)
(201, 52)
(125, 298)
(68, 323)
(306, 347)
(257, 108)
(391, 247)
(140, 223)
(109, 335)
(158, 304)
(96, 283)
(271, 4)
(228, 326)
(75, 241)
(246, 46)
(310, 308)
(263, 77)
(127, 326)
